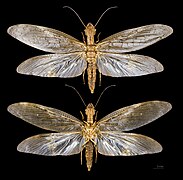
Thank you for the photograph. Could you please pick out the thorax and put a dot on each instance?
(90, 131)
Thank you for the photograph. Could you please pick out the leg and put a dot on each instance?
(98, 37)
(83, 37)
(100, 79)
(96, 153)
(84, 77)
(81, 157)
(96, 115)
(83, 146)
(86, 141)
(82, 116)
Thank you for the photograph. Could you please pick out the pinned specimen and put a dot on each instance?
(106, 136)
(70, 57)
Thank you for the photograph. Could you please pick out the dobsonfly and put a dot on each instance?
(70, 58)
(106, 136)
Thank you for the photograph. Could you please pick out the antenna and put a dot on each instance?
(76, 14)
(102, 93)
(104, 13)
(77, 93)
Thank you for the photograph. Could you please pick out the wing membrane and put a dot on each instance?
(126, 144)
(134, 39)
(52, 144)
(54, 65)
(118, 65)
(45, 117)
(46, 39)
(134, 116)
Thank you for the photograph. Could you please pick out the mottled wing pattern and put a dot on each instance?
(134, 116)
(126, 144)
(53, 144)
(46, 39)
(134, 39)
(54, 65)
(45, 117)
(119, 65)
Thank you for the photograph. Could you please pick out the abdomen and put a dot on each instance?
(89, 154)
(91, 71)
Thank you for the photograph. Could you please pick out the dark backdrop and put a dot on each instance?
(52, 91)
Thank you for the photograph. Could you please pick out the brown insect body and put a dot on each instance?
(89, 133)
(91, 54)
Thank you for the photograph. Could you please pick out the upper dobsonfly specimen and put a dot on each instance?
(105, 136)
(70, 57)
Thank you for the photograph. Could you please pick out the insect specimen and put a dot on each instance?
(106, 136)
(70, 58)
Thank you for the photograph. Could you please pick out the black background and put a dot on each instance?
(53, 93)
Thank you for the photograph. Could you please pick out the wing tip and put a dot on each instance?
(165, 106)
(160, 148)
(9, 30)
(169, 105)
(159, 67)
(12, 29)
(19, 148)
(169, 30)
(19, 69)
(22, 148)
(22, 69)
(166, 30)
(11, 108)
(157, 148)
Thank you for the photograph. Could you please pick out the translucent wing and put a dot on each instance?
(45, 117)
(126, 144)
(118, 65)
(134, 116)
(46, 39)
(52, 144)
(54, 65)
(134, 39)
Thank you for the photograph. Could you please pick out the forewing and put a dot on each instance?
(46, 39)
(126, 144)
(119, 65)
(134, 39)
(134, 116)
(52, 144)
(54, 65)
(45, 117)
